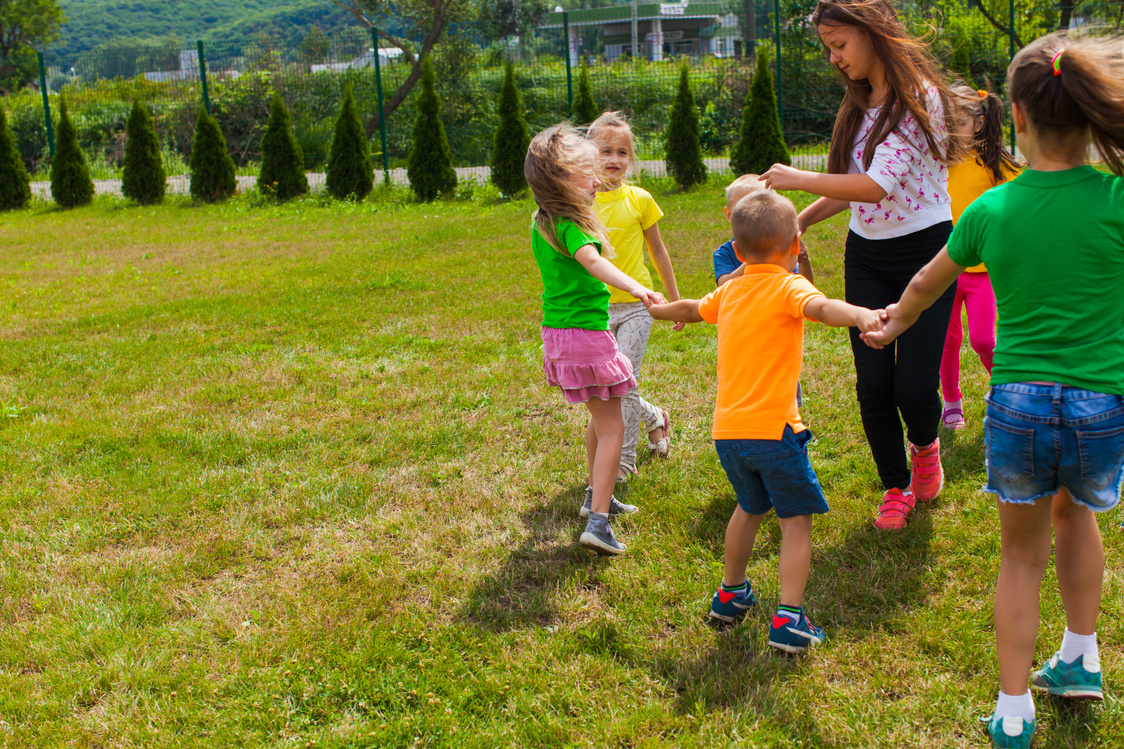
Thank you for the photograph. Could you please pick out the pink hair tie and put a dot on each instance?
(1056, 62)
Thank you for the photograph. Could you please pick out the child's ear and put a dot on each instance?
(1019, 116)
(726, 211)
(737, 251)
(795, 248)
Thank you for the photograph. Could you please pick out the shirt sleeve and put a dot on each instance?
(798, 293)
(709, 304)
(964, 243)
(573, 238)
(897, 155)
(650, 213)
(725, 261)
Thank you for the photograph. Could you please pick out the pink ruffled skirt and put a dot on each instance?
(585, 364)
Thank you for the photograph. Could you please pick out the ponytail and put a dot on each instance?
(987, 137)
(1065, 86)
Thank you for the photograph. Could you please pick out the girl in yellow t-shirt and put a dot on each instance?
(632, 218)
(989, 163)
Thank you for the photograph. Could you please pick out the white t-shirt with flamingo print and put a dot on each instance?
(915, 179)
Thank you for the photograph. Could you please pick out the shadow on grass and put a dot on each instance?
(961, 454)
(1071, 723)
(523, 591)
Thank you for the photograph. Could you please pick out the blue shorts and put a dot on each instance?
(1040, 438)
(773, 474)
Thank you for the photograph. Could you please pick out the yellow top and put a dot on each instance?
(627, 212)
(967, 181)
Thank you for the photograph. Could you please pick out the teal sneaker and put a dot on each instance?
(1071, 680)
(1009, 733)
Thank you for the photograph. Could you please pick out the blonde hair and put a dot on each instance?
(554, 156)
(1068, 86)
(744, 185)
(615, 121)
(764, 224)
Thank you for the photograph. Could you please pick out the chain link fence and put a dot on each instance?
(236, 80)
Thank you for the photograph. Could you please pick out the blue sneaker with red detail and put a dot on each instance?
(730, 605)
(1009, 732)
(793, 633)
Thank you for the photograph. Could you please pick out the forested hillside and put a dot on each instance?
(93, 22)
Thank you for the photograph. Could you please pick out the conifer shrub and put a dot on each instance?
(683, 153)
(349, 174)
(760, 138)
(143, 178)
(282, 163)
(509, 147)
(429, 164)
(15, 184)
(212, 169)
(71, 185)
(585, 108)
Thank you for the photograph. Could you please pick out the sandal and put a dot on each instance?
(953, 418)
(661, 446)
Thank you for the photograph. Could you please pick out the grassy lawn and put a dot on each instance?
(292, 477)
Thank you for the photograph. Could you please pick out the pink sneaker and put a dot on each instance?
(928, 476)
(895, 508)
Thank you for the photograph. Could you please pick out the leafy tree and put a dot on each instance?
(509, 147)
(143, 171)
(426, 20)
(24, 26)
(282, 163)
(315, 46)
(500, 19)
(15, 185)
(212, 169)
(684, 153)
(349, 166)
(585, 109)
(760, 138)
(429, 165)
(71, 185)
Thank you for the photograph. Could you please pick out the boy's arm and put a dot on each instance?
(737, 273)
(804, 260)
(684, 310)
(839, 314)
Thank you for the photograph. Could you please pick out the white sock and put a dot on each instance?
(1019, 706)
(953, 404)
(1074, 646)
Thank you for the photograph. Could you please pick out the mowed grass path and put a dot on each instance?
(291, 476)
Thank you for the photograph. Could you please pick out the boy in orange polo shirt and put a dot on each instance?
(757, 431)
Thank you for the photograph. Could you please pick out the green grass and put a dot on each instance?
(291, 476)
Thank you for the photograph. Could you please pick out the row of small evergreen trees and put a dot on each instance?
(349, 173)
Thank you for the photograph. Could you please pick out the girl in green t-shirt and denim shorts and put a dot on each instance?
(579, 353)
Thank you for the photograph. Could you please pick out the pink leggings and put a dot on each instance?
(974, 292)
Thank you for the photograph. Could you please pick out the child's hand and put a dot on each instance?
(648, 296)
(870, 320)
(678, 326)
(803, 257)
(781, 177)
(893, 326)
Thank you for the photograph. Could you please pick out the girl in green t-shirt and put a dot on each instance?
(579, 353)
(1053, 241)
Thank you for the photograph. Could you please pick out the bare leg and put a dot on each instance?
(607, 428)
(1025, 541)
(795, 558)
(1079, 559)
(741, 532)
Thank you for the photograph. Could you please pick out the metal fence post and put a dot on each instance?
(780, 63)
(382, 114)
(46, 105)
(569, 74)
(203, 76)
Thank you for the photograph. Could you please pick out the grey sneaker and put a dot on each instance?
(615, 507)
(599, 536)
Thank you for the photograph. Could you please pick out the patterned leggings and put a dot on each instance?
(630, 324)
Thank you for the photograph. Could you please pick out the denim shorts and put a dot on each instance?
(773, 474)
(1040, 438)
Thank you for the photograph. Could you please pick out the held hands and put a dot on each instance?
(869, 321)
(892, 327)
(648, 296)
(781, 177)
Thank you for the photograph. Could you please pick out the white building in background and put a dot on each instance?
(365, 60)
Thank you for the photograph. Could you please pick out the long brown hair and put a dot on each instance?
(553, 157)
(910, 70)
(1087, 92)
(615, 121)
(987, 137)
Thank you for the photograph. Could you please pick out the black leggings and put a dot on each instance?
(905, 376)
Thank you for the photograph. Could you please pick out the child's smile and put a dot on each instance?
(614, 152)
